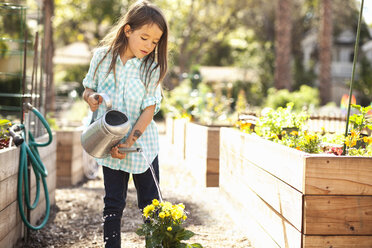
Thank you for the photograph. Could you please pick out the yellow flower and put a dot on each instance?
(155, 202)
(367, 140)
(294, 133)
(169, 229)
(166, 206)
(350, 141)
(184, 217)
(162, 215)
(177, 212)
(147, 210)
(354, 133)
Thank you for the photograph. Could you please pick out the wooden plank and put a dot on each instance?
(8, 219)
(257, 236)
(338, 175)
(196, 140)
(212, 180)
(198, 168)
(9, 161)
(179, 137)
(337, 241)
(282, 197)
(213, 145)
(169, 121)
(13, 236)
(283, 162)
(213, 165)
(8, 191)
(246, 201)
(338, 215)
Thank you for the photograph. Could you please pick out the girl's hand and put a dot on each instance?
(115, 151)
(94, 100)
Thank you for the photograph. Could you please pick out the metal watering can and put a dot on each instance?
(106, 132)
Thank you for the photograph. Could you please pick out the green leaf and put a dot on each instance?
(184, 235)
(196, 245)
(140, 232)
(153, 242)
(356, 106)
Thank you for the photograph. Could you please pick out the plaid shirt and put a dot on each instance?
(130, 96)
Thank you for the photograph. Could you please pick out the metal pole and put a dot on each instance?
(356, 48)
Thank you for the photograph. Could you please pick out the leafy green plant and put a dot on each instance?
(286, 127)
(4, 138)
(163, 226)
(272, 122)
(304, 97)
(362, 120)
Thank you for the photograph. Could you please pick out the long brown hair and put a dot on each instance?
(139, 14)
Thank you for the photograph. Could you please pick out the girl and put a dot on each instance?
(128, 66)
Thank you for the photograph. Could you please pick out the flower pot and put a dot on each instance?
(295, 199)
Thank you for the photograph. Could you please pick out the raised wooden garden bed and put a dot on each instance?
(202, 153)
(294, 199)
(11, 225)
(69, 158)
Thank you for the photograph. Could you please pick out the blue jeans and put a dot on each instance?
(116, 185)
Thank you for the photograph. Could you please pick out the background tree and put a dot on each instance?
(283, 34)
(325, 51)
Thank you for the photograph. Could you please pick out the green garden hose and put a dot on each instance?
(40, 172)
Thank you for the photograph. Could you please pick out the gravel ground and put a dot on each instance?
(76, 220)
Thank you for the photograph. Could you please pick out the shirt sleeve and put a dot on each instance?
(153, 94)
(90, 81)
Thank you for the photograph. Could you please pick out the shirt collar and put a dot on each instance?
(135, 61)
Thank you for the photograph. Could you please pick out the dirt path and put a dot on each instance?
(76, 220)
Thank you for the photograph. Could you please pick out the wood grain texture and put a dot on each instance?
(338, 175)
(338, 215)
(337, 241)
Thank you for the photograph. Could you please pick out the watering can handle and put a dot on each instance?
(107, 101)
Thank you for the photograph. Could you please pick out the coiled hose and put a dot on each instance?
(40, 172)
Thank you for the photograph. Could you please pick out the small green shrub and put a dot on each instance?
(305, 97)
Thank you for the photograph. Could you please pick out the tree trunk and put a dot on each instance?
(325, 51)
(283, 28)
(48, 55)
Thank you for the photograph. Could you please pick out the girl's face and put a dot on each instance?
(143, 41)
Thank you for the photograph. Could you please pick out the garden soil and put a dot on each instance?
(76, 219)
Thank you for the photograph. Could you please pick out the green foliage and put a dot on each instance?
(271, 122)
(73, 74)
(177, 102)
(4, 125)
(303, 76)
(361, 120)
(203, 104)
(10, 85)
(305, 97)
(85, 20)
(364, 82)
